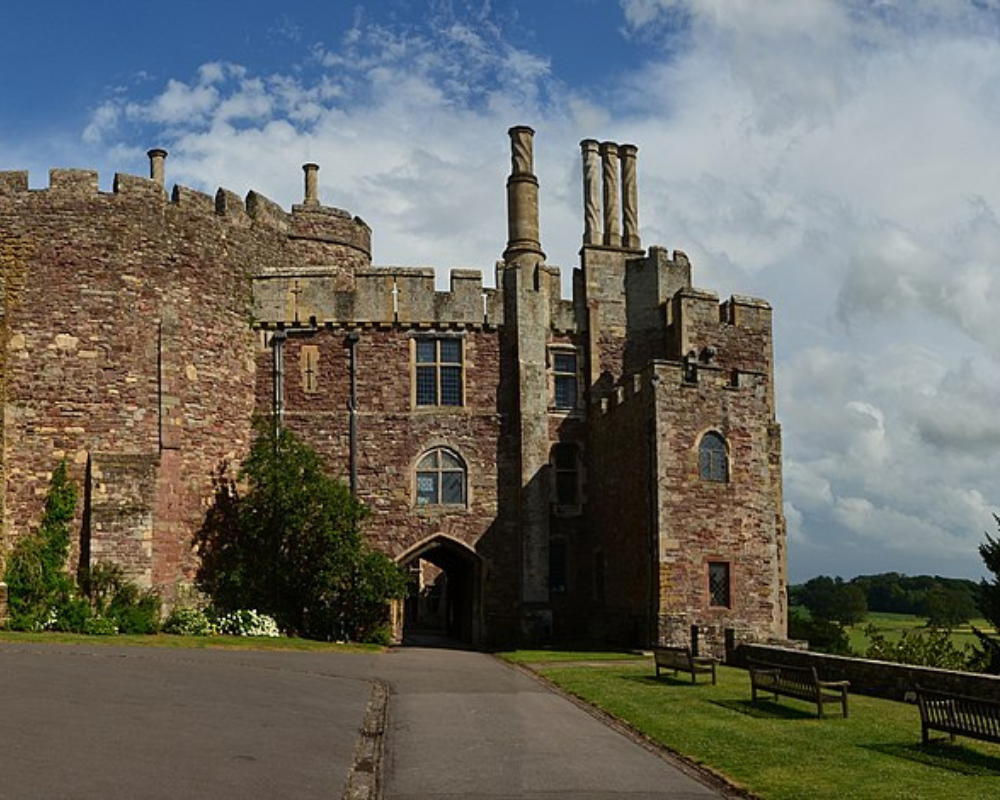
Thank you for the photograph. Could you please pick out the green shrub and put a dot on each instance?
(289, 543)
(380, 634)
(934, 648)
(100, 626)
(112, 595)
(36, 577)
(823, 635)
(188, 622)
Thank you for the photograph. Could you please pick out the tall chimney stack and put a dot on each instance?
(630, 198)
(156, 158)
(312, 184)
(612, 209)
(593, 232)
(523, 244)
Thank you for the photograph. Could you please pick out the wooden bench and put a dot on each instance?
(681, 659)
(958, 714)
(801, 683)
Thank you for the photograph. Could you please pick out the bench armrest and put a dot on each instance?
(834, 684)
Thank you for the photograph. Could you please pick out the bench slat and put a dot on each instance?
(959, 715)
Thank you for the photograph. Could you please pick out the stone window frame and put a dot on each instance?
(436, 367)
(564, 475)
(714, 458)
(561, 377)
(719, 582)
(439, 471)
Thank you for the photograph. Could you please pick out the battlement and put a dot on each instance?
(381, 296)
(321, 233)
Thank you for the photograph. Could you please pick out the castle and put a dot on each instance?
(601, 467)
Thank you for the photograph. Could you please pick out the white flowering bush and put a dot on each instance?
(100, 626)
(189, 622)
(247, 622)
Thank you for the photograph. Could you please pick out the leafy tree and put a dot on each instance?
(823, 635)
(989, 602)
(832, 599)
(38, 585)
(290, 545)
(946, 607)
(934, 648)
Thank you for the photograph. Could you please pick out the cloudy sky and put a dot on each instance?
(840, 159)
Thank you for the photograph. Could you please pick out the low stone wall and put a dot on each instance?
(877, 678)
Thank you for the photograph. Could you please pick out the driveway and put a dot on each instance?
(116, 722)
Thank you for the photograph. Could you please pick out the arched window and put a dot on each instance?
(440, 479)
(713, 458)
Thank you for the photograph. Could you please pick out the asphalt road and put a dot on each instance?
(115, 722)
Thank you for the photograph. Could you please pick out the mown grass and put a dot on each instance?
(780, 749)
(892, 627)
(190, 642)
(562, 656)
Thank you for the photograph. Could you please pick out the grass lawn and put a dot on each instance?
(190, 642)
(563, 656)
(780, 749)
(893, 625)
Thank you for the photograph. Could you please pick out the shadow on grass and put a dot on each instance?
(943, 755)
(663, 680)
(765, 709)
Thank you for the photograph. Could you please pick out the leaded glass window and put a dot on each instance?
(718, 583)
(564, 378)
(439, 372)
(713, 458)
(440, 479)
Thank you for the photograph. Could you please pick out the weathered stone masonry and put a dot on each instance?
(537, 462)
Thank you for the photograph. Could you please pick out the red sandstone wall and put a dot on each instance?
(739, 521)
(393, 434)
(127, 344)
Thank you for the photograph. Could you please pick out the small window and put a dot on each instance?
(564, 378)
(438, 372)
(440, 479)
(713, 458)
(566, 463)
(718, 583)
(309, 362)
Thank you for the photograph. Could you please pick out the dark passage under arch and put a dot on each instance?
(445, 587)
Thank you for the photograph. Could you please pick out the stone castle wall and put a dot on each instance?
(127, 350)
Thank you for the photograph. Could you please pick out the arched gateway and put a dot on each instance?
(446, 588)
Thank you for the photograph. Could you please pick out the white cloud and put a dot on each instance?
(837, 158)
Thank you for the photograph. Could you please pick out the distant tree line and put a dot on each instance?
(945, 602)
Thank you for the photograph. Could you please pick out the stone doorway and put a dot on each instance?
(445, 580)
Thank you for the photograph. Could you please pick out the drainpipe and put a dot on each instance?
(278, 339)
(278, 375)
(352, 407)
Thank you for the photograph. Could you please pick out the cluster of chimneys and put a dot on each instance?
(608, 156)
(609, 182)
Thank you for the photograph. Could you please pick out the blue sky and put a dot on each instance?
(836, 157)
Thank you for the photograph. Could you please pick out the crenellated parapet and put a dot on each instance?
(380, 296)
(312, 234)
